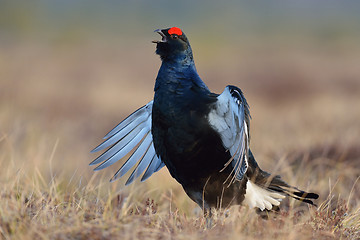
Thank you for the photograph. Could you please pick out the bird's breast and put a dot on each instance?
(185, 141)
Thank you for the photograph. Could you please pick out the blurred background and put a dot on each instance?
(71, 70)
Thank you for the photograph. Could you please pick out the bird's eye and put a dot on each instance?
(174, 36)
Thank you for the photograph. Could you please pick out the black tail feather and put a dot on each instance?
(307, 195)
(294, 192)
(278, 185)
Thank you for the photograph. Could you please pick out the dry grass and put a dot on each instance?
(56, 103)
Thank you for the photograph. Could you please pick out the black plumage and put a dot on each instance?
(201, 137)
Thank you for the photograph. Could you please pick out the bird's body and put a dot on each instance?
(201, 137)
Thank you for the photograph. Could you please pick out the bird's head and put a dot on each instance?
(173, 44)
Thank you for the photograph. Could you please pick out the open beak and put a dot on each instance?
(163, 37)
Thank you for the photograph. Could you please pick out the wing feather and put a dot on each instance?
(160, 165)
(122, 132)
(143, 164)
(130, 138)
(135, 115)
(230, 118)
(137, 155)
(123, 151)
(153, 166)
(134, 132)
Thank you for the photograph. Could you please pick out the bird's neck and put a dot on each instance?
(178, 74)
(179, 58)
(181, 66)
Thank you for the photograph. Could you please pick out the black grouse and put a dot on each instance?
(201, 137)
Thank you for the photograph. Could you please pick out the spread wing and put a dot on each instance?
(230, 117)
(134, 132)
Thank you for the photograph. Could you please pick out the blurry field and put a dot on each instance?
(58, 98)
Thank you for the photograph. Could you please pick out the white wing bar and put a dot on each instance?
(230, 117)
